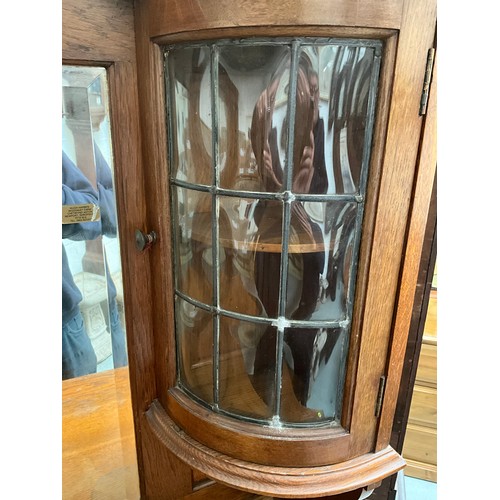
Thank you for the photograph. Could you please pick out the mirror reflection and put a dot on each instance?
(93, 321)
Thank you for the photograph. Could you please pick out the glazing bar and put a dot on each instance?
(246, 317)
(263, 321)
(359, 216)
(214, 88)
(267, 196)
(287, 183)
(350, 42)
(290, 323)
(194, 302)
(192, 185)
(363, 177)
(169, 111)
(298, 197)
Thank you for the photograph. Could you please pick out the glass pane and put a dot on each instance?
(331, 110)
(194, 328)
(192, 115)
(253, 83)
(329, 157)
(246, 367)
(250, 239)
(312, 374)
(193, 243)
(320, 259)
(93, 323)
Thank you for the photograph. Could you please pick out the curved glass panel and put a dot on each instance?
(247, 368)
(269, 148)
(312, 366)
(192, 211)
(194, 349)
(320, 267)
(246, 228)
(191, 133)
(253, 106)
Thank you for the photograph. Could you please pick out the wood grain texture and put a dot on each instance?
(421, 198)
(401, 149)
(420, 444)
(277, 31)
(284, 482)
(101, 30)
(420, 470)
(153, 124)
(265, 445)
(372, 194)
(98, 444)
(166, 477)
(427, 366)
(163, 475)
(131, 212)
(423, 409)
(222, 492)
(414, 343)
(190, 15)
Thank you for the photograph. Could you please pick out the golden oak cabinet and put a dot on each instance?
(266, 163)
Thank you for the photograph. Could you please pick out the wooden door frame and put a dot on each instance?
(425, 226)
(101, 33)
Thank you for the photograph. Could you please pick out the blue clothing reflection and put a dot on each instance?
(78, 356)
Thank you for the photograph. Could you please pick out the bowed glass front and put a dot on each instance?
(269, 146)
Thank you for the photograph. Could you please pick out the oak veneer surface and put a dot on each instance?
(98, 445)
(419, 29)
(187, 15)
(100, 30)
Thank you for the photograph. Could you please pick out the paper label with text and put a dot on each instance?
(88, 212)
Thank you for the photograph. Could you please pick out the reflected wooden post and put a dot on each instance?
(84, 112)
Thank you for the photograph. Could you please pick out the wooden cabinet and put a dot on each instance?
(194, 56)
(204, 403)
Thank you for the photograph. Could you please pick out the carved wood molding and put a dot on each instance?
(285, 482)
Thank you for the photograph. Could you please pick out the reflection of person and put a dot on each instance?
(305, 268)
(78, 357)
(308, 176)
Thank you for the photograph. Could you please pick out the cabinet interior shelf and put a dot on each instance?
(267, 239)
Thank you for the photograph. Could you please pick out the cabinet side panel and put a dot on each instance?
(402, 144)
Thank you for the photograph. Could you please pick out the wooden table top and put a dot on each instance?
(98, 444)
(99, 460)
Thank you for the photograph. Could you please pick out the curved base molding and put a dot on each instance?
(286, 482)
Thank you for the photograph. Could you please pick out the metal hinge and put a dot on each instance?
(427, 81)
(380, 396)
